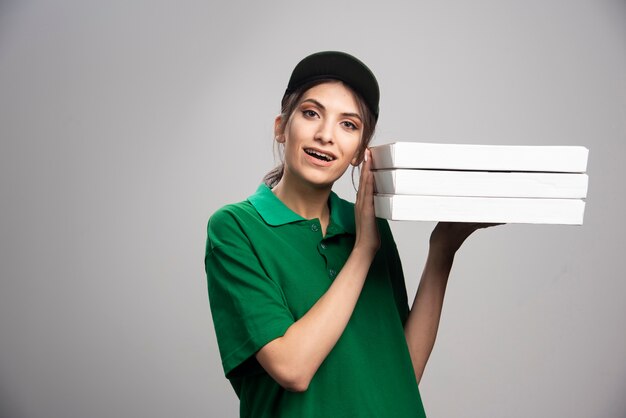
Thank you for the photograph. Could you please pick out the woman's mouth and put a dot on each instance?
(322, 156)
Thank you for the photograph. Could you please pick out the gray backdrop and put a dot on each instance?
(124, 125)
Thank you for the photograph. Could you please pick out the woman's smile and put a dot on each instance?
(319, 157)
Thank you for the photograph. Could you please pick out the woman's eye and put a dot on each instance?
(309, 113)
(350, 125)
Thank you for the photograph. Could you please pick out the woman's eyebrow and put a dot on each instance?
(321, 106)
(315, 102)
(354, 115)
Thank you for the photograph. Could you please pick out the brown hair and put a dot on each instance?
(288, 106)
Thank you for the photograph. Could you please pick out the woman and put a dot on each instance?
(307, 292)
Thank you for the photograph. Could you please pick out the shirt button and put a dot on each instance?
(323, 246)
(315, 227)
(332, 273)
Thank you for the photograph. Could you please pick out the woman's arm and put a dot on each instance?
(293, 359)
(421, 326)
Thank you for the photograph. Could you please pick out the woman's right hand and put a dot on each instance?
(367, 237)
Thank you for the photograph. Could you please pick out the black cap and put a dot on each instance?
(337, 66)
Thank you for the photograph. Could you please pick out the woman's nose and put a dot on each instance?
(324, 133)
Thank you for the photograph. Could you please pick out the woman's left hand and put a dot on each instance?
(447, 237)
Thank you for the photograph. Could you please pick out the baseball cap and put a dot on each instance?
(341, 66)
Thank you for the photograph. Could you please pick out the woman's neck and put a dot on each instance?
(308, 202)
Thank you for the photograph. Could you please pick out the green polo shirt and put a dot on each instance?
(266, 267)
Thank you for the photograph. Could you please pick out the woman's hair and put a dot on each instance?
(288, 106)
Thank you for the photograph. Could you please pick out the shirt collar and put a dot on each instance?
(275, 213)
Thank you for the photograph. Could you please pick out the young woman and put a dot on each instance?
(306, 290)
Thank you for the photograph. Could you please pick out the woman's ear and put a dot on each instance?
(358, 158)
(279, 134)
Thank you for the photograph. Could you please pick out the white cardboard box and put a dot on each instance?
(481, 183)
(479, 209)
(567, 159)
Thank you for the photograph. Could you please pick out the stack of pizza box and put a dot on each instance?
(480, 183)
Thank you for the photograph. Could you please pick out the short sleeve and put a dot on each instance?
(396, 273)
(247, 306)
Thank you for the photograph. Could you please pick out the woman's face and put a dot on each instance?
(322, 136)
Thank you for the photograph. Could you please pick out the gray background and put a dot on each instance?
(124, 125)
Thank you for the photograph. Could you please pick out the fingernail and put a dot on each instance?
(366, 155)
